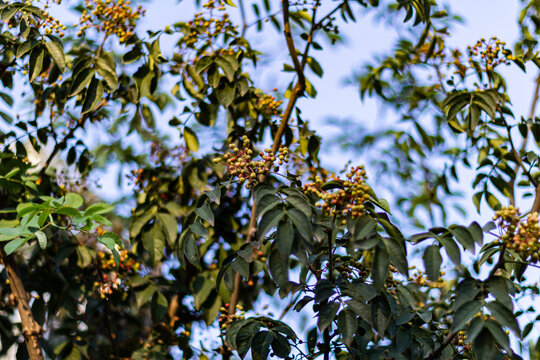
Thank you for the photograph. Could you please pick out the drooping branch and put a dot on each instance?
(60, 145)
(31, 330)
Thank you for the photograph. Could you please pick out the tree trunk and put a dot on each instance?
(30, 328)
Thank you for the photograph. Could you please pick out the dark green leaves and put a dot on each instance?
(279, 268)
(432, 262)
(475, 102)
(326, 315)
(94, 95)
(153, 241)
(465, 313)
(35, 66)
(381, 261)
(57, 54)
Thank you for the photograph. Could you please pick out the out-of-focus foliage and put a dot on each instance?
(233, 207)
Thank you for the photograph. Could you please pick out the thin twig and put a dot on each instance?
(298, 90)
(68, 136)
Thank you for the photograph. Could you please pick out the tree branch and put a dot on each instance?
(68, 136)
(435, 353)
(30, 327)
(298, 90)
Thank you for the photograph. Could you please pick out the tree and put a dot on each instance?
(251, 215)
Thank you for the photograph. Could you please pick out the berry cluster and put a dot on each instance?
(241, 164)
(520, 236)
(207, 27)
(268, 105)
(491, 52)
(111, 278)
(52, 25)
(48, 22)
(353, 269)
(110, 17)
(225, 319)
(108, 284)
(349, 199)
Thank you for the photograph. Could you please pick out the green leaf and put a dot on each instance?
(498, 287)
(191, 251)
(279, 268)
(464, 237)
(82, 79)
(159, 307)
(42, 239)
(452, 250)
(347, 325)
(498, 333)
(143, 296)
(9, 12)
(98, 208)
(190, 137)
(363, 227)
(285, 238)
(114, 237)
(281, 346)
(225, 94)
(300, 203)
(57, 53)
(326, 315)
(73, 200)
(7, 234)
(205, 212)
(397, 254)
(94, 95)
(260, 345)
(202, 287)
(106, 69)
(36, 63)
(169, 226)
(268, 221)
(475, 230)
(381, 261)
(483, 346)
(241, 266)
(153, 241)
(492, 201)
(302, 223)
(432, 262)
(68, 211)
(15, 244)
(504, 316)
(464, 314)
(266, 203)
(315, 66)
(26, 47)
(107, 241)
(228, 66)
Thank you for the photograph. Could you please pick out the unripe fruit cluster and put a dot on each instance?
(241, 164)
(491, 52)
(520, 236)
(226, 319)
(111, 17)
(208, 27)
(268, 105)
(353, 270)
(111, 276)
(349, 200)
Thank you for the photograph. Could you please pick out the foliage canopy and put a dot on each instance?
(240, 210)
